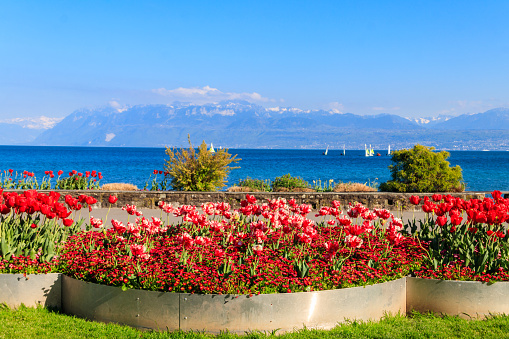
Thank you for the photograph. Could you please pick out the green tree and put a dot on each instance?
(421, 170)
(198, 171)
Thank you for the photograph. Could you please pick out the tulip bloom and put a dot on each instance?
(415, 200)
(442, 220)
(67, 222)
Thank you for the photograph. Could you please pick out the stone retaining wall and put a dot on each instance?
(149, 199)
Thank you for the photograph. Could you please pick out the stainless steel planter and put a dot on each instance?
(467, 299)
(213, 313)
(32, 290)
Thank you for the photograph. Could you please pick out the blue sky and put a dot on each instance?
(411, 58)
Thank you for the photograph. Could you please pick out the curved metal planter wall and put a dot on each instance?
(32, 290)
(237, 313)
(467, 299)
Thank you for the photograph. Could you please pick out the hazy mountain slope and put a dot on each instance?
(495, 119)
(11, 134)
(246, 125)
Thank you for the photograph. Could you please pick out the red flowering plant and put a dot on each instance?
(79, 181)
(13, 180)
(258, 248)
(465, 240)
(33, 226)
(155, 185)
(27, 180)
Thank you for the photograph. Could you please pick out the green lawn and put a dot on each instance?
(41, 323)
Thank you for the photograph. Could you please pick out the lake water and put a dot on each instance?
(482, 171)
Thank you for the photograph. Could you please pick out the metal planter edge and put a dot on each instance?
(235, 313)
(467, 299)
(31, 290)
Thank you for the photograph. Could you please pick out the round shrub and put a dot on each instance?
(421, 170)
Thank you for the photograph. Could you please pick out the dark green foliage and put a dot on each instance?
(202, 171)
(421, 170)
(289, 182)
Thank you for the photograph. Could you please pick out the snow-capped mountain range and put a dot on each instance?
(240, 124)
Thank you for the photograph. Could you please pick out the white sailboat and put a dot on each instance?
(212, 150)
(326, 150)
(369, 152)
(389, 150)
(344, 150)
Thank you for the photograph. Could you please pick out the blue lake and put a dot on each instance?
(482, 171)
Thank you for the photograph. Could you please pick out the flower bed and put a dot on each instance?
(258, 249)
(33, 227)
(10, 179)
(243, 257)
(465, 240)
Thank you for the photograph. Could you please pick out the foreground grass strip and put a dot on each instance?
(26, 322)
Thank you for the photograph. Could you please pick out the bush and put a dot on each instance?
(289, 182)
(204, 171)
(421, 170)
(256, 185)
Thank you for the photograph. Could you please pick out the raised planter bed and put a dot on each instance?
(32, 290)
(467, 299)
(266, 312)
(213, 313)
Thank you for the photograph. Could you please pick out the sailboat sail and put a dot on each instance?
(389, 150)
(212, 150)
(326, 150)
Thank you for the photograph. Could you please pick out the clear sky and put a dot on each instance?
(411, 58)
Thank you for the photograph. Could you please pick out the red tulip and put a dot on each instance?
(60, 172)
(497, 195)
(436, 197)
(456, 220)
(441, 221)
(113, 199)
(67, 222)
(415, 200)
(91, 200)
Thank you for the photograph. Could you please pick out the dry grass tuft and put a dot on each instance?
(353, 187)
(239, 189)
(119, 187)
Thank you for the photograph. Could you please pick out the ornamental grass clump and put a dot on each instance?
(465, 240)
(259, 248)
